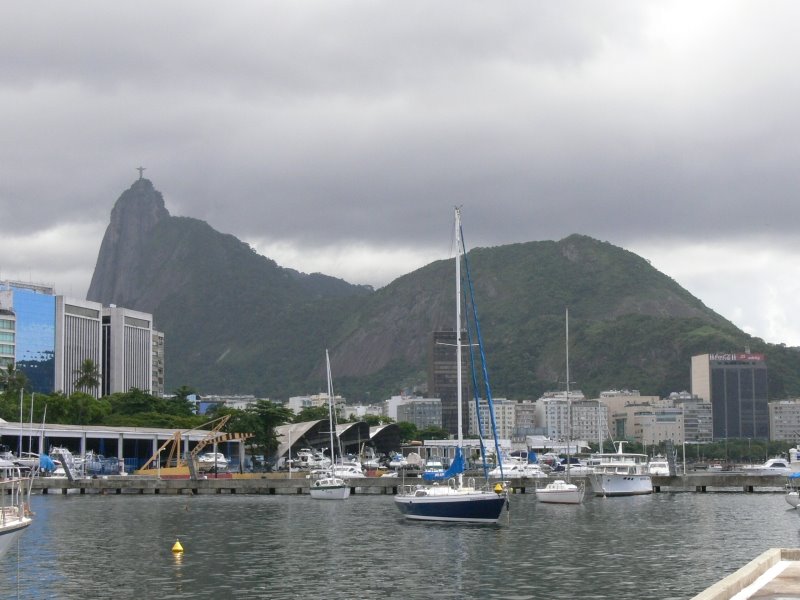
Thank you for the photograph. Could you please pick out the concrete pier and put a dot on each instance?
(280, 483)
(774, 575)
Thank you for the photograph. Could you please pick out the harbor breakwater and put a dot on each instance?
(280, 483)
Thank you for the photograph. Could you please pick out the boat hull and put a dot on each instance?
(11, 531)
(474, 507)
(560, 493)
(330, 489)
(608, 484)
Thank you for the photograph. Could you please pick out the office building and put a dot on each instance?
(127, 350)
(79, 337)
(736, 385)
(422, 412)
(33, 307)
(48, 338)
(784, 421)
(8, 328)
(443, 380)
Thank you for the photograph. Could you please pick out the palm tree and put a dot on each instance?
(87, 376)
(12, 380)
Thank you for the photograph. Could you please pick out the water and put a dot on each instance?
(666, 546)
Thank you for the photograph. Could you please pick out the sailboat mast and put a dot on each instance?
(569, 400)
(459, 248)
(330, 404)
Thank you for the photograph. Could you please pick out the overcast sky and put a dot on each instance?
(337, 136)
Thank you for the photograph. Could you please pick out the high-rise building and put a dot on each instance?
(697, 424)
(504, 418)
(443, 381)
(524, 419)
(158, 363)
(8, 329)
(127, 350)
(34, 312)
(784, 421)
(79, 336)
(736, 385)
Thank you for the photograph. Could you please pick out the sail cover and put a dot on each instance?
(456, 467)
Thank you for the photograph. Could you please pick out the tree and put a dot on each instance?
(265, 416)
(432, 432)
(87, 376)
(12, 381)
(408, 431)
(312, 413)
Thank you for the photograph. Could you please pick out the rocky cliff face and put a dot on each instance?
(136, 213)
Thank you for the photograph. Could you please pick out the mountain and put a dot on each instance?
(236, 322)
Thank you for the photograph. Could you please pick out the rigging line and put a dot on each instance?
(483, 356)
(476, 393)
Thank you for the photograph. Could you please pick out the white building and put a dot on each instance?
(551, 413)
(79, 337)
(128, 350)
(504, 416)
(784, 420)
(359, 411)
(298, 403)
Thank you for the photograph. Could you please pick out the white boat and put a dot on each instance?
(774, 466)
(15, 515)
(346, 470)
(575, 467)
(620, 474)
(560, 491)
(308, 459)
(455, 501)
(518, 470)
(433, 466)
(658, 466)
(212, 461)
(331, 486)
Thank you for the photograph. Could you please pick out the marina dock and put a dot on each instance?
(298, 484)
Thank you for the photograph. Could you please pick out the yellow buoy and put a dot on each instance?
(177, 548)
(498, 489)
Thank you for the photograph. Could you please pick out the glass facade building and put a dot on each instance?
(35, 337)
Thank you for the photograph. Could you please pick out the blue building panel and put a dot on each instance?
(36, 339)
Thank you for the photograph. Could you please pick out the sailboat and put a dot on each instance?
(329, 486)
(560, 491)
(454, 501)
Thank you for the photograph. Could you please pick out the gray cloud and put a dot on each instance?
(323, 127)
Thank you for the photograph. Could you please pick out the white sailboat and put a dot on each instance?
(560, 491)
(329, 486)
(454, 501)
